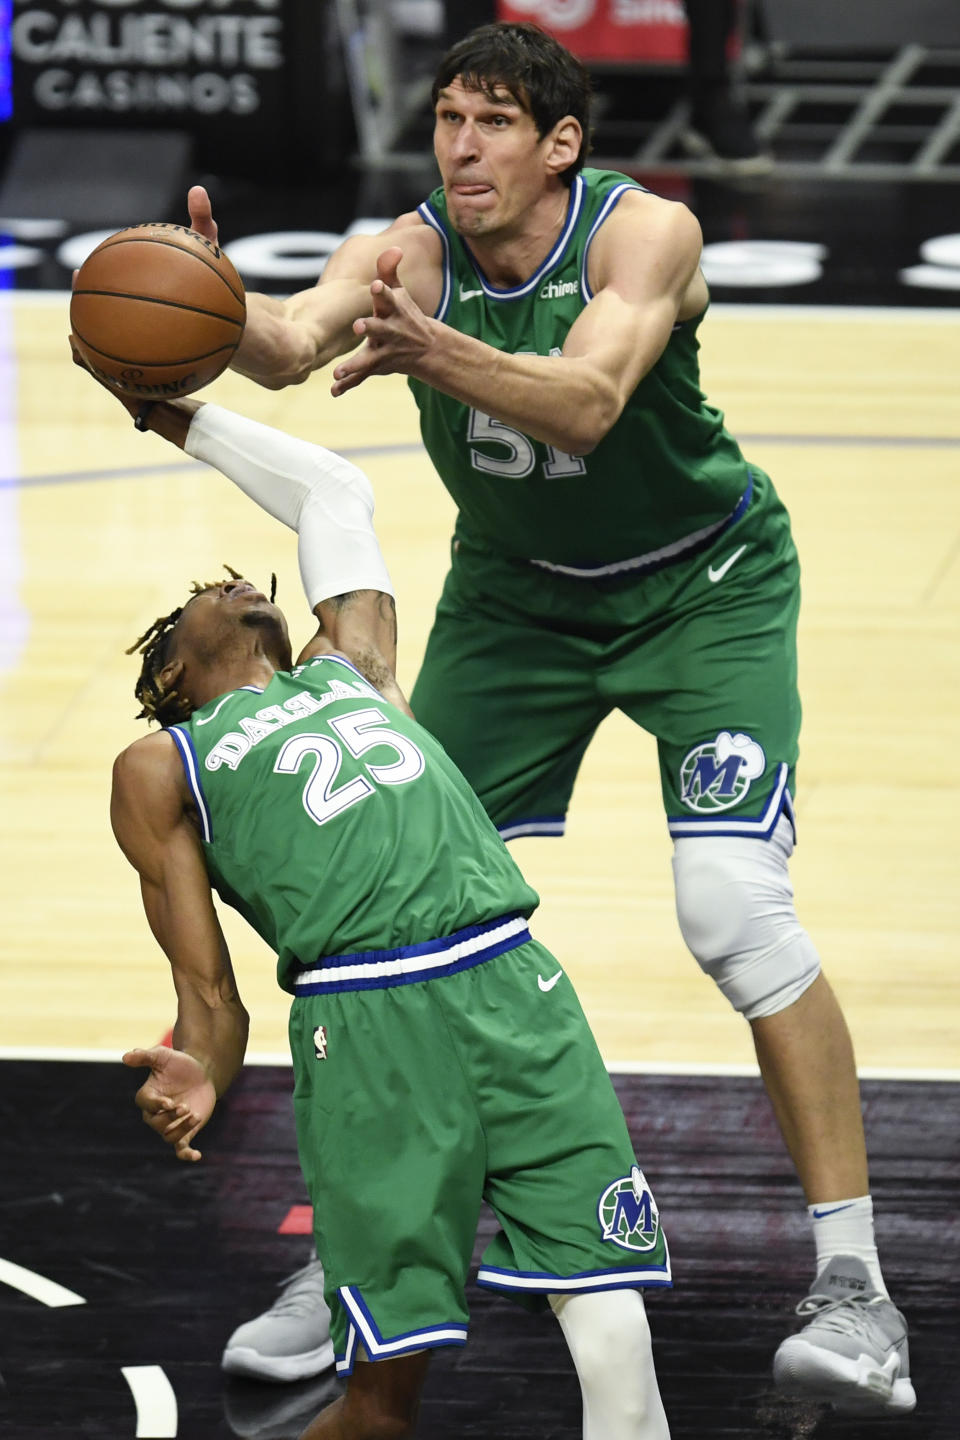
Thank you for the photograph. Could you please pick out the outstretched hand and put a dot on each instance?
(398, 334)
(178, 1097)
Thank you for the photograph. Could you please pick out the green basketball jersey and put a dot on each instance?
(667, 475)
(337, 825)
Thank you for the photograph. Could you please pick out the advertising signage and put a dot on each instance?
(209, 67)
(620, 32)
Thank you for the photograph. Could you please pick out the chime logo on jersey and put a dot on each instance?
(717, 775)
(628, 1213)
(320, 1042)
(557, 289)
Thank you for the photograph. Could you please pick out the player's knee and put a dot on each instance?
(736, 913)
(609, 1340)
(607, 1332)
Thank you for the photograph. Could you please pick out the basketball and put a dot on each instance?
(157, 311)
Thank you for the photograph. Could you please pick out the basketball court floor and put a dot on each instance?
(122, 1273)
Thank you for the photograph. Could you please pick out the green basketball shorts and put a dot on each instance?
(523, 664)
(418, 1098)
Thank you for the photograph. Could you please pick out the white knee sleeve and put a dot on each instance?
(735, 907)
(609, 1340)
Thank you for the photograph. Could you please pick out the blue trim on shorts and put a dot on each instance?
(409, 964)
(759, 827)
(363, 1329)
(640, 566)
(540, 1282)
(534, 825)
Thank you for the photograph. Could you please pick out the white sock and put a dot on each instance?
(845, 1227)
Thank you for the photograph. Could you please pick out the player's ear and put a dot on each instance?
(171, 674)
(564, 143)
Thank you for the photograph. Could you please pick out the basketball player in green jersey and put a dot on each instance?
(440, 1055)
(617, 549)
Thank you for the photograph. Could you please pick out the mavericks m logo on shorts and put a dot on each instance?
(716, 775)
(628, 1213)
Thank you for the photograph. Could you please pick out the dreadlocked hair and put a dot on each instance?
(167, 707)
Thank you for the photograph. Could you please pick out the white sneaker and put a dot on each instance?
(853, 1351)
(291, 1340)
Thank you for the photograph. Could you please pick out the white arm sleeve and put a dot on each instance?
(328, 501)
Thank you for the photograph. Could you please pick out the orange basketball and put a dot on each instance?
(157, 311)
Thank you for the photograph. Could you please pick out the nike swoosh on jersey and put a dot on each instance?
(469, 294)
(717, 572)
(548, 984)
(205, 719)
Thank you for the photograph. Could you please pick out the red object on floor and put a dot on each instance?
(298, 1221)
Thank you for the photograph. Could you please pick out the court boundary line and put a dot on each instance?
(410, 447)
(615, 1067)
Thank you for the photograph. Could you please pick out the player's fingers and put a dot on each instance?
(184, 1146)
(137, 1059)
(201, 212)
(348, 382)
(384, 300)
(387, 265)
(372, 328)
(175, 1122)
(157, 1110)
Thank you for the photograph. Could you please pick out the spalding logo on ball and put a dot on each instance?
(157, 310)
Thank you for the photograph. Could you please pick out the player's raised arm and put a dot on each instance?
(284, 341)
(324, 498)
(153, 829)
(328, 501)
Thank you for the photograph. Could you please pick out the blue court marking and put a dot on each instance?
(929, 442)
(141, 472)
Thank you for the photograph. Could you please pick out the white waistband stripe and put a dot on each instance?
(416, 963)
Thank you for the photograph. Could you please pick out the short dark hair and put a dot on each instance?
(543, 76)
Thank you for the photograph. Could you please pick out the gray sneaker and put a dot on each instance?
(853, 1350)
(291, 1340)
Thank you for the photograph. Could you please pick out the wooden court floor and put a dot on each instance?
(854, 414)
